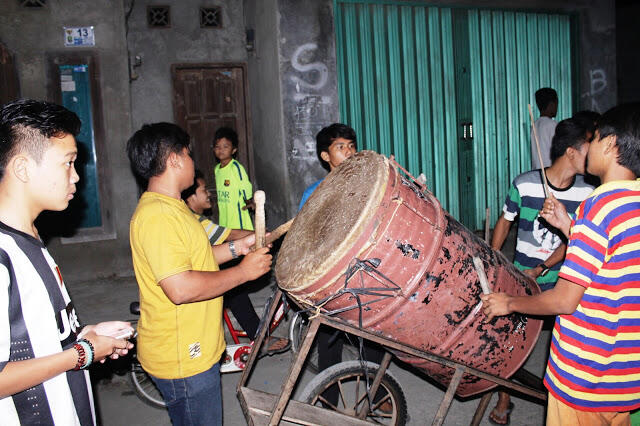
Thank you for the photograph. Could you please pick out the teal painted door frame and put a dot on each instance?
(446, 90)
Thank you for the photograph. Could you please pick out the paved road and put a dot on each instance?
(117, 404)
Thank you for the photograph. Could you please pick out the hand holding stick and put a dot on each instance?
(535, 137)
(259, 199)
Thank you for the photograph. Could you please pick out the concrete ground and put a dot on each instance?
(117, 405)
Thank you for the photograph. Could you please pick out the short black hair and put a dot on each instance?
(588, 119)
(149, 148)
(623, 122)
(226, 133)
(192, 189)
(545, 96)
(570, 133)
(327, 135)
(26, 126)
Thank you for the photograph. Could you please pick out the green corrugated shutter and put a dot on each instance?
(407, 91)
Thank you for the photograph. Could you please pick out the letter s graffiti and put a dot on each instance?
(319, 67)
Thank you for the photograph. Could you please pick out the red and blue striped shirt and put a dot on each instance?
(594, 361)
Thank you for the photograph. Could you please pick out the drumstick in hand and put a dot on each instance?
(258, 198)
(535, 137)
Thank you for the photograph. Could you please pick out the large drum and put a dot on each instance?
(371, 245)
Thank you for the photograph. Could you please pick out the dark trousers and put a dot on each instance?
(237, 300)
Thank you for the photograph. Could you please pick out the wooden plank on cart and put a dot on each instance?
(260, 405)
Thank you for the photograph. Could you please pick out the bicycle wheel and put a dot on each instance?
(347, 382)
(298, 329)
(144, 387)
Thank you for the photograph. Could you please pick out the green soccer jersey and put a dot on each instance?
(233, 187)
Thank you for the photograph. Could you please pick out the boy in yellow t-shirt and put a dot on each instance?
(235, 192)
(180, 336)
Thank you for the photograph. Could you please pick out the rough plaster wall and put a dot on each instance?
(184, 42)
(266, 110)
(309, 86)
(30, 33)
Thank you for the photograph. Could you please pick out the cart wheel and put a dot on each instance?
(342, 388)
(144, 387)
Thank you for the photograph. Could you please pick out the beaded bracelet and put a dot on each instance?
(86, 354)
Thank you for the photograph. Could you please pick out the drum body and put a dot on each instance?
(367, 233)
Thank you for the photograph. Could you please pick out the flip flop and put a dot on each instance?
(501, 415)
(274, 345)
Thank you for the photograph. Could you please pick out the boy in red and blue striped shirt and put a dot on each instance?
(593, 373)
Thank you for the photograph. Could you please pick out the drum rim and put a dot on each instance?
(369, 211)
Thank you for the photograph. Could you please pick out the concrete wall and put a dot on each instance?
(31, 34)
(265, 88)
(183, 42)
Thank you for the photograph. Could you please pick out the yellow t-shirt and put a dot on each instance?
(174, 341)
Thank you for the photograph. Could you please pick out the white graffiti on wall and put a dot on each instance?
(318, 67)
(598, 82)
(310, 111)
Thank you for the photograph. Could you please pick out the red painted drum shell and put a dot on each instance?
(424, 253)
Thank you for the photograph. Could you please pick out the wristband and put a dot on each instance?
(81, 356)
(86, 354)
(545, 269)
(232, 249)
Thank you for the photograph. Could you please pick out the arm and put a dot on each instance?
(195, 286)
(222, 252)
(500, 232)
(236, 234)
(20, 375)
(556, 257)
(562, 299)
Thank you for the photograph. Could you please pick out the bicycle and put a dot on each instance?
(234, 359)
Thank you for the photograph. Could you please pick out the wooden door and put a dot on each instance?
(9, 86)
(209, 96)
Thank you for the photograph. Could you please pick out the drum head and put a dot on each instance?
(332, 220)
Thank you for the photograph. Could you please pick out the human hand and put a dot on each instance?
(555, 213)
(495, 304)
(249, 204)
(115, 329)
(532, 273)
(256, 263)
(105, 346)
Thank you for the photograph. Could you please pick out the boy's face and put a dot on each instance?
(579, 157)
(339, 150)
(224, 150)
(53, 181)
(596, 156)
(186, 169)
(200, 201)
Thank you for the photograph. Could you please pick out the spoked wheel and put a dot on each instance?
(342, 388)
(144, 387)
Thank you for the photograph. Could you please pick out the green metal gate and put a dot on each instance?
(446, 90)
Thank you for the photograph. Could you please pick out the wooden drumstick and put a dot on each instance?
(258, 198)
(484, 283)
(535, 137)
(277, 233)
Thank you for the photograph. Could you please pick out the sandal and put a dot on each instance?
(274, 345)
(501, 417)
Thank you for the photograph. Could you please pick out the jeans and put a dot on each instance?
(195, 400)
